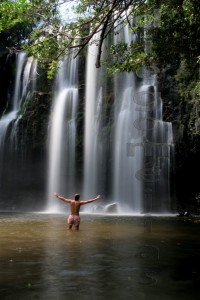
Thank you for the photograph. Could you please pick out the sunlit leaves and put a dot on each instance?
(172, 26)
(51, 38)
(13, 12)
(53, 67)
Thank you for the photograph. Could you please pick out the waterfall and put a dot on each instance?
(10, 116)
(96, 137)
(17, 89)
(142, 142)
(127, 145)
(91, 127)
(62, 135)
(25, 70)
(156, 145)
(127, 190)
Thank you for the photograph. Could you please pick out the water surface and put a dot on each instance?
(110, 257)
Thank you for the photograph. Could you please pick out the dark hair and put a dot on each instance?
(77, 196)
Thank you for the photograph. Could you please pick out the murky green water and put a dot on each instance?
(111, 257)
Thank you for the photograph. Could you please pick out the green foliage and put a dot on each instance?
(13, 12)
(52, 38)
(176, 43)
(172, 26)
(187, 77)
(53, 67)
(14, 26)
(178, 33)
(31, 26)
(124, 57)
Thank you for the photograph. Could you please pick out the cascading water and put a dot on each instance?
(11, 115)
(156, 146)
(18, 86)
(25, 70)
(127, 190)
(141, 141)
(62, 136)
(26, 81)
(127, 147)
(93, 125)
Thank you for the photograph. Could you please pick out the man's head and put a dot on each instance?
(76, 197)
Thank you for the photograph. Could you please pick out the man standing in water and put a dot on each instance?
(74, 218)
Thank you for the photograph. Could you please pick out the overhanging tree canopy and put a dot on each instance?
(172, 25)
(52, 38)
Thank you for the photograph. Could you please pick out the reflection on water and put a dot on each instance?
(111, 257)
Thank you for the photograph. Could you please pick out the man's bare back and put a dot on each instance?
(75, 205)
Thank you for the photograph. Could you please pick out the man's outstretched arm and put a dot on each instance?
(62, 198)
(91, 200)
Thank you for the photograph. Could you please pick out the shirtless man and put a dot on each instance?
(74, 218)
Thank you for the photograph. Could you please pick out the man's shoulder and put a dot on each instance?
(82, 202)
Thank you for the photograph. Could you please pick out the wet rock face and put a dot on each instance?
(23, 169)
(7, 77)
(33, 125)
(177, 109)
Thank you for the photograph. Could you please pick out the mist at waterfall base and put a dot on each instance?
(126, 147)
